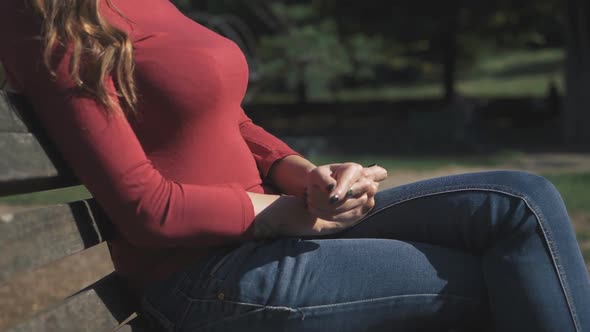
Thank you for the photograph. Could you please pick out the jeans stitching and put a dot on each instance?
(184, 314)
(556, 260)
(148, 308)
(529, 203)
(256, 308)
(257, 305)
(299, 310)
(445, 296)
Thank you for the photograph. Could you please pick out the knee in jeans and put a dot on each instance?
(531, 185)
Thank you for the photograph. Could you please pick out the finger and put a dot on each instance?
(376, 187)
(321, 178)
(343, 206)
(352, 216)
(350, 200)
(320, 201)
(319, 213)
(325, 208)
(332, 215)
(347, 175)
(351, 204)
(376, 173)
(363, 186)
(319, 198)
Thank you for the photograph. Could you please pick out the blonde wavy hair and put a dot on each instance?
(98, 49)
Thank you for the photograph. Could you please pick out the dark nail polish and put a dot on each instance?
(371, 165)
(334, 199)
(349, 193)
(330, 187)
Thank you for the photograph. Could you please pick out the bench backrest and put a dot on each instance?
(33, 238)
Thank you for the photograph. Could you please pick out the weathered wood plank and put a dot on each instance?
(26, 166)
(33, 238)
(101, 307)
(10, 119)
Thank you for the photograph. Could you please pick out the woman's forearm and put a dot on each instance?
(285, 216)
(289, 175)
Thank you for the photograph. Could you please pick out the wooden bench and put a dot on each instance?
(34, 238)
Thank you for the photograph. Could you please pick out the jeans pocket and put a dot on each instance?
(220, 264)
(156, 320)
(209, 279)
(231, 261)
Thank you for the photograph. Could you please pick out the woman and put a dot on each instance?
(144, 104)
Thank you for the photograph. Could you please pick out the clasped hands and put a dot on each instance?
(342, 193)
(337, 196)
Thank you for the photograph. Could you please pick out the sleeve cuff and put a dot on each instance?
(247, 206)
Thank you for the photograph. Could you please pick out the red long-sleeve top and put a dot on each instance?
(174, 178)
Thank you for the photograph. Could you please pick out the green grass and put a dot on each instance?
(584, 236)
(574, 188)
(425, 163)
(548, 60)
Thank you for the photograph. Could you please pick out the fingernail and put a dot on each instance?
(371, 165)
(349, 193)
(330, 187)
(334, 199)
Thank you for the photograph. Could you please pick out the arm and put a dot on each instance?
(287, 216)
(103, 151)
(290, 174)
(279, 165)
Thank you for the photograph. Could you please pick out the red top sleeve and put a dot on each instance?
(265, 147)
(104, 152)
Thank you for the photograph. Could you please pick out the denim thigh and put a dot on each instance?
(334, 284)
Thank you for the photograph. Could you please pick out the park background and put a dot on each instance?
(423, 88)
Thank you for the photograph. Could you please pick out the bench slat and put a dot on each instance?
(10, 121)
(101, 307)
(29, 239)
(34, 238)
(25, 166)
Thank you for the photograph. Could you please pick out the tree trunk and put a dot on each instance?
(576, 121)
(450, 59)
(301, 89)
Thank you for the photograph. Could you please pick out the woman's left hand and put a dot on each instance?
(343, 192)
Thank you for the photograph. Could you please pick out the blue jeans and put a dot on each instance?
(490, 250)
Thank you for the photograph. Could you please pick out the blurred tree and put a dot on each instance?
(577, 104)
(450, 33)
(310, 56)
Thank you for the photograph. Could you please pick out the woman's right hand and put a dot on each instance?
(280, 216)
(343, 192)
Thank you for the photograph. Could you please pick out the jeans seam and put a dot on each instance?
(185, 314)
(299, 310)
(445, 296)
(257, 305)
(555, 257)
(547, 236)
(148, 308)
